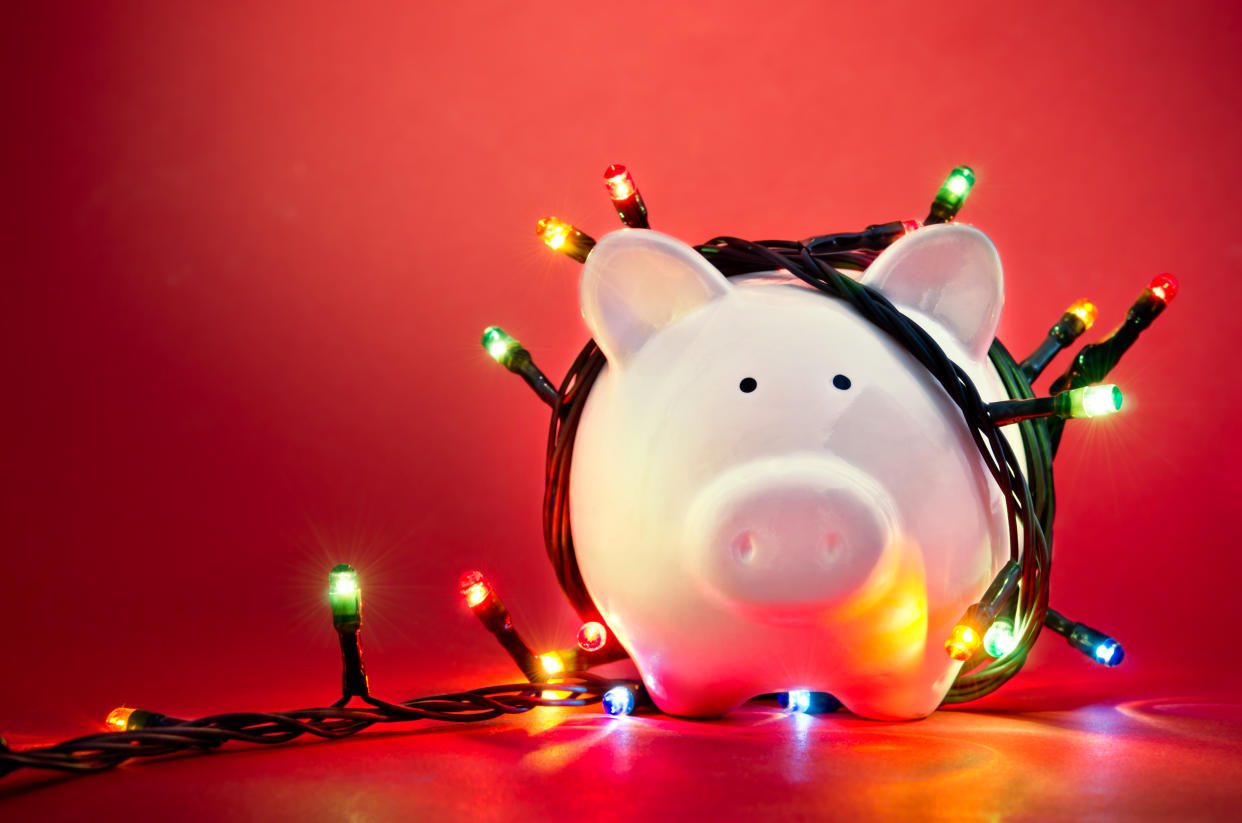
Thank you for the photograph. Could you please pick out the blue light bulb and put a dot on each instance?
(1109, 652)
(619, 700)
(798, 701)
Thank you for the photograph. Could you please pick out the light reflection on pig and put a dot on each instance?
(769, 494)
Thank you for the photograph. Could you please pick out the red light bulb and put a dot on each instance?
(474, 587)
(1164, 287)
(592, 636)
(910, 226)
(620, 184)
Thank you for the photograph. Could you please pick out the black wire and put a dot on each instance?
(98, 752)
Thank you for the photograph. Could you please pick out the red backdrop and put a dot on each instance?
(250, 252)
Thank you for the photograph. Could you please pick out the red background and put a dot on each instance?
(249, 252)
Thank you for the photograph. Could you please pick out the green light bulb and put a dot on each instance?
(1092, 401)
(1000, 639)
(345, 596)
(498, 343)
(956, 187)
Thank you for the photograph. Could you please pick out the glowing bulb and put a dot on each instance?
(999, 640)
(910, 226)
(798, 701)
(1099, 400)
(619, 182)
(552, 663)
(957, 186)
(118, 719)
(1164, 288)
(475, 588)
(498, 343)
(592, 636)
(963, 643)
(553, 231)
(345, 596)
(562, 237)
(343, 580)
(1109, 652)
(1085, 311)
(619, 700)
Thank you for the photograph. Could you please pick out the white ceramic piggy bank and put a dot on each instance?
(769, 494)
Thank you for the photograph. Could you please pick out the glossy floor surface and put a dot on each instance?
(1031, 755)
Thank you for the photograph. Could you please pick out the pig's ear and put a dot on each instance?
(637, 281)
(949, 272)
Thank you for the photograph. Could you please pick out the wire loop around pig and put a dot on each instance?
(1030, 500)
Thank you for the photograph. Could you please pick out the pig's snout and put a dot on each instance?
(792, 538)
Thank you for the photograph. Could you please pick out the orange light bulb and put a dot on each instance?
(963, 643)
(553, 231)
(1085, 311)
(118, 719)
(552, 663)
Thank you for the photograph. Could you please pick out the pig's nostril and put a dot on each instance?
(744, 547)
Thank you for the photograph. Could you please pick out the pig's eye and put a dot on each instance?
(748, 384)
(841, 382)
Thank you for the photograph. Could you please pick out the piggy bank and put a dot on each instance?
(769, 494)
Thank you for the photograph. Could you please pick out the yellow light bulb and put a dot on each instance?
(552, 663)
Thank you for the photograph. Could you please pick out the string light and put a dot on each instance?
(1089, 401)
(561, 236)
(625, 196)
(968, 634)
(952, 194)
(798, 701)
(509, 353)
(475, 588)
(125, 719)
(1000, 640)
(482, 599)
(345, 597)
(1163, 287)
(964, 641)
(118, 719)
(802, 701)
(1094, 643)
(552, 663)
(592, 636)
(619, 701)
(1079, 317)
(1085, 311)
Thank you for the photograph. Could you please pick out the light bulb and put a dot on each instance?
(592, 636)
